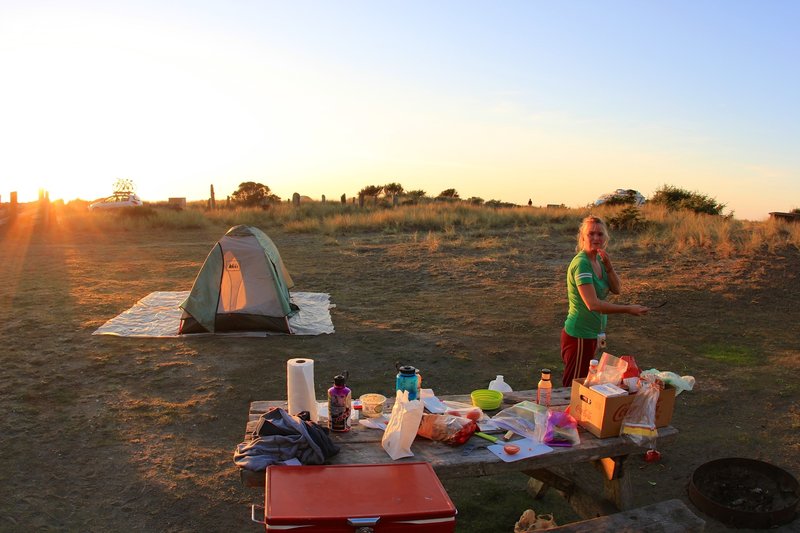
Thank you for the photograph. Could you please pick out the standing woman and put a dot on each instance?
(590, 277)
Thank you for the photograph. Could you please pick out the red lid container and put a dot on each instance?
(341, 498)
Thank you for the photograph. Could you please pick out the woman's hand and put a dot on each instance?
(614, 284)
(604, 257)
(637, 310)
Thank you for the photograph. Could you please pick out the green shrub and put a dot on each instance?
(675, 198)
(629, 218)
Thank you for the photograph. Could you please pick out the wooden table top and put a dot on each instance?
(362, 445)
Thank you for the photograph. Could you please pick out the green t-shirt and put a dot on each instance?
(582, 323)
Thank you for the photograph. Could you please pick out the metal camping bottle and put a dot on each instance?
(408, 379)
(340, 402)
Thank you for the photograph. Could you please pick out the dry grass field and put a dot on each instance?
(109, 434)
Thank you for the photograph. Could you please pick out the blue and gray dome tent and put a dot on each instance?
(242, 286)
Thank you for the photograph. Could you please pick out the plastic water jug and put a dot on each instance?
(499, 384)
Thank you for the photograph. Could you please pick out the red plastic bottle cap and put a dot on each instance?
(652, 456)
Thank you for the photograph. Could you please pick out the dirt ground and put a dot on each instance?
(108, 434)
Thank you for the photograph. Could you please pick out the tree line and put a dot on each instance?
(254, 194)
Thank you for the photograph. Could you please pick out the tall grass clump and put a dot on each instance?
(78, 217)
(772, 235)
(683, 231)
(283, 215)
(652, 227)
(686, 231)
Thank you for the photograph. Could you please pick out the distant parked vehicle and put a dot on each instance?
(116, 201)
(621, 196)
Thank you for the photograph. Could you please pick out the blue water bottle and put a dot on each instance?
(407, 379)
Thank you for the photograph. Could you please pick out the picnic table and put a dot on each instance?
(589, 475)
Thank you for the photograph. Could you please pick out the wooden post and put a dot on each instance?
(44, 207)
(360, 199)
(296, 199)
(12, 211)
(343, 199)
(212, 203)
(323, 198)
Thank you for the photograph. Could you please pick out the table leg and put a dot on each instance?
(616, 488)
(589, 492)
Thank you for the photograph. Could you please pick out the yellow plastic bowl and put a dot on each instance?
(487, 399)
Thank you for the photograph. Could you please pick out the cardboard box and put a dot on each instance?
(602, 417)
(393, 497)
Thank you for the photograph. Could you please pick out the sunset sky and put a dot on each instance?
(554, 101)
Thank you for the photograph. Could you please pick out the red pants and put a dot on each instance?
(576, 354)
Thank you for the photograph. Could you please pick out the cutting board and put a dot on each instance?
(527, 448)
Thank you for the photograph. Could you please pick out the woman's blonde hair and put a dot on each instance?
(591, 219)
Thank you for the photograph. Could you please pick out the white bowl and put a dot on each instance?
(372, 404)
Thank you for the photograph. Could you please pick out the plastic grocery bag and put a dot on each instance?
(632, 371)
(452, 430)
(639, 424)
(681, 383)
(561, 430)
(402, 426)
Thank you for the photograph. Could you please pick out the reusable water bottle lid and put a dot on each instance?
(407, 370)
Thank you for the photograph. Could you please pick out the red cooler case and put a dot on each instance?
(334, 498)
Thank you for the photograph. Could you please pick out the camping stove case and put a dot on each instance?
(380, 498)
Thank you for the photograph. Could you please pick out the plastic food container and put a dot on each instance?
(487, 399)
(372, 404)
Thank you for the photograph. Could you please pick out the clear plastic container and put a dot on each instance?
(499, 384)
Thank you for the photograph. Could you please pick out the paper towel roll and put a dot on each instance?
(300, 387)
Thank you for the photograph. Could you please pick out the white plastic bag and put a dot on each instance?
(402, 426)
(681, 383)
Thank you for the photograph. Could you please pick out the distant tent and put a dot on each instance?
(242, 286)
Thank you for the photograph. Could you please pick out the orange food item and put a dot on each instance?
(474, 415)
(511, 449)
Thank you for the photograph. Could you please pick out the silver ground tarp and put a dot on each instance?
(158, 315)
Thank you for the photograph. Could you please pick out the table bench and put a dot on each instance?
(589, 475)
(669, 516)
